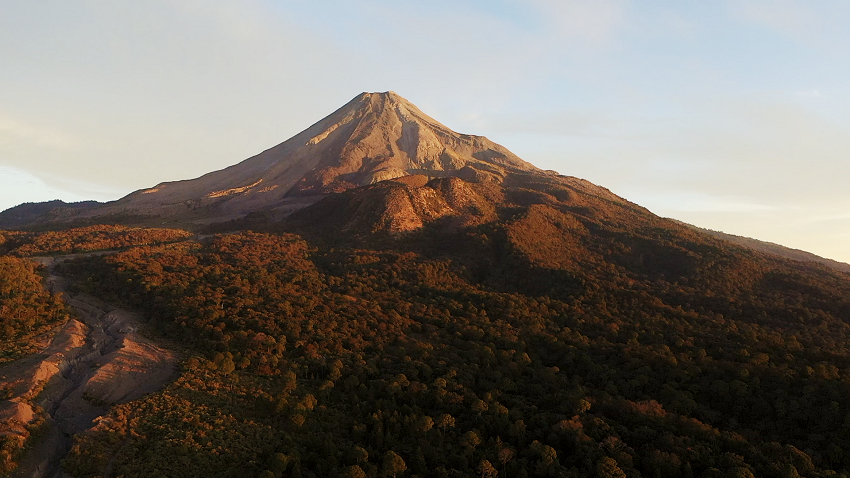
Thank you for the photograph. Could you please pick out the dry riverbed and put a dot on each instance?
(93, 361)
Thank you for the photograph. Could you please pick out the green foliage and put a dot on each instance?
(27, 314)
(354, 471)
(486, 470)
(607, 467)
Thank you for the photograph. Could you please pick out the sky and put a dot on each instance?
(732, 115)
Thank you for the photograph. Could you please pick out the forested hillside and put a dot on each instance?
(443, 328)
(27, 314)
(404, 362)
(83, 239)
(26, 308)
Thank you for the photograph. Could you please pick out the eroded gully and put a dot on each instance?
(98, 360)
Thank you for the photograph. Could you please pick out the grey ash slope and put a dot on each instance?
(374, 137)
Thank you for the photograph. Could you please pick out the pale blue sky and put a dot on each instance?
(732, 115)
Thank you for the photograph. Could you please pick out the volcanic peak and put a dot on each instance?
(372, 138)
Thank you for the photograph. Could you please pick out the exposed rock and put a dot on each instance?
(90, 364)
(399, 206)
(374, 138)
(14, 417)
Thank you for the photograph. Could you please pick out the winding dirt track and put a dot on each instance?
(94, 361)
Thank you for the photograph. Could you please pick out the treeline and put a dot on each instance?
(84, 239)
(367, 363)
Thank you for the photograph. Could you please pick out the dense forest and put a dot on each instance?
(84, 239)
(355, 362)
(545, 334)
(27, 310)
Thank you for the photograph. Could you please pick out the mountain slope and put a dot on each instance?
(444, 324)
(374, 137)
(549, 222)
(577, 338)
(29, 213)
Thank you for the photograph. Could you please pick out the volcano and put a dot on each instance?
(373, 138)
(397, 168)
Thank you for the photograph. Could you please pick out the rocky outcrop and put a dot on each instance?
(398, 206)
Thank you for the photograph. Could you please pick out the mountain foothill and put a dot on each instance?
(380, 296)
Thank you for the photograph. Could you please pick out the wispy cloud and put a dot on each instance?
(828, 218)
(731, 205)
(809, 94)
(793, 18)
(16, 133)
(588, 21)
(562, 123)
(18, 186)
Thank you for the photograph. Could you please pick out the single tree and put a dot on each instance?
(505, 455)
(354, 471)
(607, 467)
(486, 470)
(393, 464)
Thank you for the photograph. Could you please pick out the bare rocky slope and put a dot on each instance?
(381, 141)
(408, 203)
(374, 137)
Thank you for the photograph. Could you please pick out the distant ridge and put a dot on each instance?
(772, 248)
(32, 212)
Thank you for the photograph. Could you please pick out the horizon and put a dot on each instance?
(731, 116)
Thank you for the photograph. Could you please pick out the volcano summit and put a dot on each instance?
(374, 137)
(426, 171)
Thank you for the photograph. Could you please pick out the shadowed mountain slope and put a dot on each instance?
(29, 213)
(538, 235)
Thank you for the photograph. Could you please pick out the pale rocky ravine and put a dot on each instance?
(93, 361)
